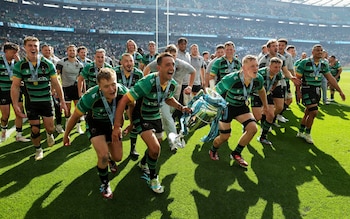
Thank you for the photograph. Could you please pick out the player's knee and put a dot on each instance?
(225, 134)
(313, 111)
(153, 153)
(35, 128)
(103, 157)
(50, 130)
(250, 125)
(117, 158)
(278, 108)
(34, 134)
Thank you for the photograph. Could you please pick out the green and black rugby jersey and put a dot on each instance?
(5, 80)
(92, 104)
(137, 74)
(39, 89)
(146, 93)
(89, 73)
(222, 67)
(232, 86)
(310, 77)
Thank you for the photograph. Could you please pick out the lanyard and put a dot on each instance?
(96, 69)
(161, 97)
(33, 72)
(245, 93)
(135, 56)
(8, 67)
(151, 58)
(124, 78)
(230, 66)
(110, 112)
(268, 84)
(84, 62)
(316, 70)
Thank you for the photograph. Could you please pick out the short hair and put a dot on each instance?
(205, 53)
(220, 46)
(163, 55)
(10, 46)
(317, 46)
(151, 43)
(229, 43)
(44, 45)
(101, 50)
(263, 46)
(332, 56)
(290, 47)
(126, 54)
(268, 44)
(105, 73)
(275, 60)
(284, 40)
(30, 38)
(196, 45)
(248, 58)
(171, 48)
(181, 40)
(71, 45)
(81, 48)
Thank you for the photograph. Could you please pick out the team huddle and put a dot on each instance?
(152, 91)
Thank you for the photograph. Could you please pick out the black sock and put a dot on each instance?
(103, 174)
(265, 129)
(263, 118)
(133, 143)
(143, 160)
(152, 163)
(238, 150)
(213, 148)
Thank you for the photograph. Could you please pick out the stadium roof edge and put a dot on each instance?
(320, 3)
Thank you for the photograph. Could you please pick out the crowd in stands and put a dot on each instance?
(112, 21)
(271, 8)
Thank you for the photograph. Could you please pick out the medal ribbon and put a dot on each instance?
(124, 78)
(33, 72)
(110, 112)
(151, 58)
(9, 67)
(268, 84)
(161, 97)
(230, 66)
(245, 92)
(316, 70)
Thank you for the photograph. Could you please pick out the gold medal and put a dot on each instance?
(35, 83)
(247, 102)
(316, 78)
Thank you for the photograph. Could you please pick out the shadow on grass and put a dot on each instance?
(217, 177)
(336, 109)
(289, 167)
(82, 199)
(20, 176)
(279, 170)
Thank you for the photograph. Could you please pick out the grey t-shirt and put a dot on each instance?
(198, 64)
(69, 71)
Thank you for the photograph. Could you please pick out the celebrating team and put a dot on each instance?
(105, 94)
